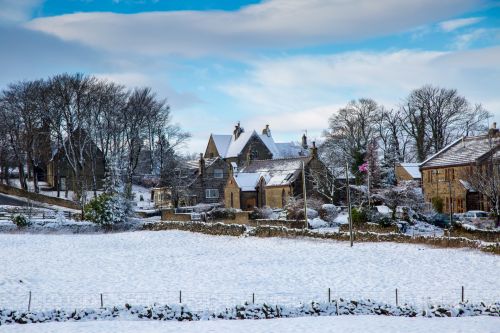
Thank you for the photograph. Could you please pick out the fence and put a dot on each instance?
(199, 301)
(34, 214)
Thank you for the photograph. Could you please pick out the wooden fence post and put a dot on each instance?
(329, 295)
(337, 306)
(29, 301)
(463, 294)
(397, 301)
(102, 302)
(253, 298)
(180, 296)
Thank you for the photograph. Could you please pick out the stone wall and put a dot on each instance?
(485, 235)
(38, 197)
(201, 227)
(170, 215)
(374, 227)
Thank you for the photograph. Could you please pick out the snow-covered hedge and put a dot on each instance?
(250, 311)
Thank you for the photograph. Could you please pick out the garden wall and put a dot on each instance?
(38, 197)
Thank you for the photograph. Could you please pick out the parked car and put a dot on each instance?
(475, 216)
(440, 220)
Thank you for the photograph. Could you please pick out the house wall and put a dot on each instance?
(402, 174)
(439, 182)
(232, 188)
(211, 150)
(254, 149)
(208, 181)
(274, 196)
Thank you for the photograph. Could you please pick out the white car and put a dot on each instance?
(475, 216)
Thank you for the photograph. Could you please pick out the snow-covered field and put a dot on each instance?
(352, 324)
(213, 271)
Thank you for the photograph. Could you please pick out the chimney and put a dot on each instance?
(267, 131)
(493, 131)
(202, 165)
(304, 141)
(237, 131)
(314, 150)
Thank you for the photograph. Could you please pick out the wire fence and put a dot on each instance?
(214, 301)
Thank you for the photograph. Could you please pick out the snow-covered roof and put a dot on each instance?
(463, 151)
(222, 143)
(247, 181)
(291, 149)
(228, 146)
(412, 169)
(467, 185)
(278, 172)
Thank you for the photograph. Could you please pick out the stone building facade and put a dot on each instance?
(445, 174)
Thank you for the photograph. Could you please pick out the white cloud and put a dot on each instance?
(17, 10)
(271, 24)
(302, 92)
(452, 25)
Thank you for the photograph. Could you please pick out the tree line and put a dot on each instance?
(75, 114)
(425, 122)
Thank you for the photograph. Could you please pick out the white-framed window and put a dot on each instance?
(211, 193)
(218, 173)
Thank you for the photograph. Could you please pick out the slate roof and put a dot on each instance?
(465, 150)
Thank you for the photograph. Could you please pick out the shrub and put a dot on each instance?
(107, 209)
(359, 216)
(20, 220)
(223, 214)
(437, 204)
(328, 212)
(261, 213)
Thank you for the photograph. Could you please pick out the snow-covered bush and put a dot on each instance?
(60, 218)
(107, 209)
(295, 208)
(20, 220)
(261, 213)
(223, 214)
(329, 212)
(317, 223)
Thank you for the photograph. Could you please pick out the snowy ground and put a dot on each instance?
(214, 271)
(352, 324)
(145, 204)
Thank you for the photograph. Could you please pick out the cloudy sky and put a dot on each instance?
(287, 63)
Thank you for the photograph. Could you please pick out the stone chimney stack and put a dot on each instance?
(237, 131)
(202, 165)
(267, 131)
(304, 141)
(493, 131)
(314, 150)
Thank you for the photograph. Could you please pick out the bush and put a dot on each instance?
(20, 220)
(328, 212)
(295, 208)
(223, 214)
(437, 204)
(359, 216)
(107, 209)
(261, 213)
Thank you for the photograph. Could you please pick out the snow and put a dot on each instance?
(214, 271)
(317, 223)
(342, 218)
(412, 169)
(352, 324)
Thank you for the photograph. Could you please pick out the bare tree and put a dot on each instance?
(434, 117)
(485, 179)
(351, 129)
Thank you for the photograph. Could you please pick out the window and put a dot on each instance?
(212, 193)
(218, 173)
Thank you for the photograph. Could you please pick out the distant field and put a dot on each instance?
(213, 271)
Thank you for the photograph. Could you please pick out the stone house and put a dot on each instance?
(60, 174)
(407, 172)
(243, 146)
(269, 182)
(444, 175)
(200, 181)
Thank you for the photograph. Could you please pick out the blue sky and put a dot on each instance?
(289, 63)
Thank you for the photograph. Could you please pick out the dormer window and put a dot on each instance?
(218, 173)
